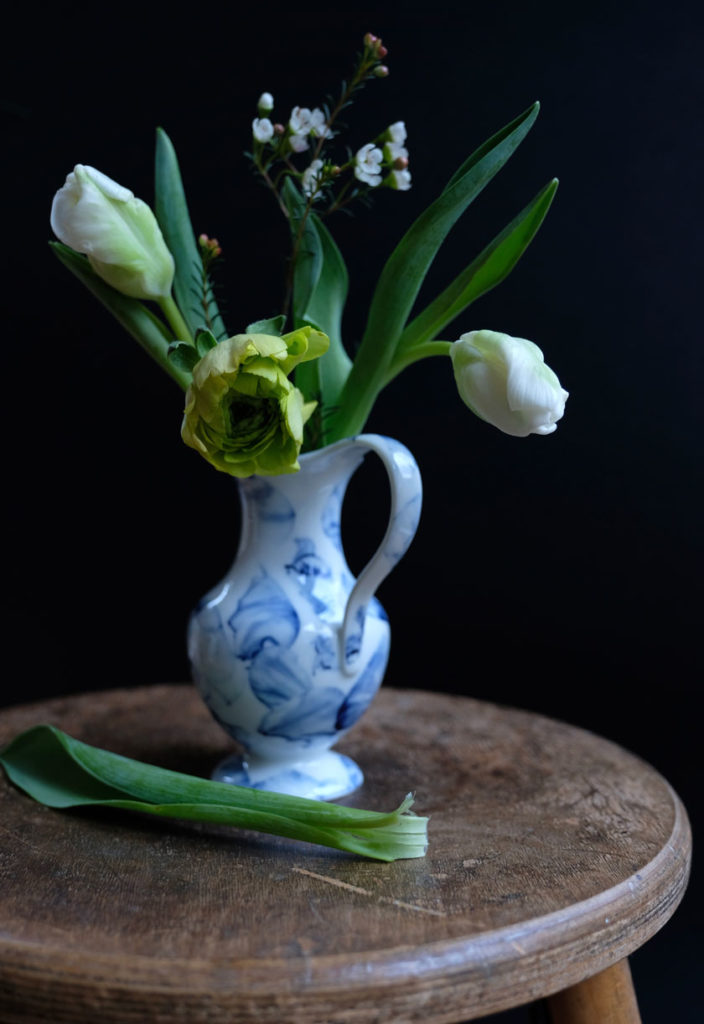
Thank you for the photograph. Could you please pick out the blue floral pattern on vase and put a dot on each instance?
(288, 650)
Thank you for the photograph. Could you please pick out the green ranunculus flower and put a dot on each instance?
(242, 412)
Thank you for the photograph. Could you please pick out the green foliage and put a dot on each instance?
(183, 356)
(273, 325)
(405, 270)
(174, 220)
(132, 314)
(62, 772)
(204, 341)
(493, 264)
(320, 284)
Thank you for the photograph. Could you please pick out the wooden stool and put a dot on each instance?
(553, 855)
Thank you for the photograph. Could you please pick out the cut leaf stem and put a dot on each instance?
(62, 772)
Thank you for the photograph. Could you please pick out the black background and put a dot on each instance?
(559, 574)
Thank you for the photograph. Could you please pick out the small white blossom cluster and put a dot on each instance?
(372, 159)
(304, 123)
(262, 128)
(311, 178)
(381, 162)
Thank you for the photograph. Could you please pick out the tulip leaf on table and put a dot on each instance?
(134, 316)
(62, 772)
(490, 267)
(174, 220)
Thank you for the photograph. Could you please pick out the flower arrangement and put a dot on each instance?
(256, 399)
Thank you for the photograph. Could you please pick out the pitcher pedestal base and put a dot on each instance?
(328, 777)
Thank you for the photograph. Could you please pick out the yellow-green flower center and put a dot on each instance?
(253, 422)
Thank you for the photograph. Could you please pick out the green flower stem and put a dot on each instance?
(414, 354)
(173, 315)
(362, 390)
(356, 403)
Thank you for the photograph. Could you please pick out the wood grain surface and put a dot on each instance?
(553, 855)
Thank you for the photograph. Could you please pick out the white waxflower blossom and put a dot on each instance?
(506, 382)
(396, 132)
(300, 121)
(262, 129)
(265, 103)
(298, 143)
(304, 121)
(401, 180)
(311, 178)
(318, 124)
(394, 151)
(368, 164)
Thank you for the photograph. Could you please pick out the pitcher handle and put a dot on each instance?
(406, 499)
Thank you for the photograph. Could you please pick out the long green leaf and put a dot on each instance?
(133, 315)
(493, 264)
(62, 772)
(405, 270)
(324, 311)
(319, 296)
(308, 259)
(327, 303)
(174, 220)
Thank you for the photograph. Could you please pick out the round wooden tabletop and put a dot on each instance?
(553, 854)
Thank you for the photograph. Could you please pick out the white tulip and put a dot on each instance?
(117, 232)
(506, 382)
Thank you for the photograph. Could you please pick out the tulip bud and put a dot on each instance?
(117, 232)
(506, 382)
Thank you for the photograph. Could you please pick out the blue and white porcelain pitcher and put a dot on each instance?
(289, 649)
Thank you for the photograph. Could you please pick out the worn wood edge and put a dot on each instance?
(489, 972)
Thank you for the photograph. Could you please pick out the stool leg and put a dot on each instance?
(607, 998)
